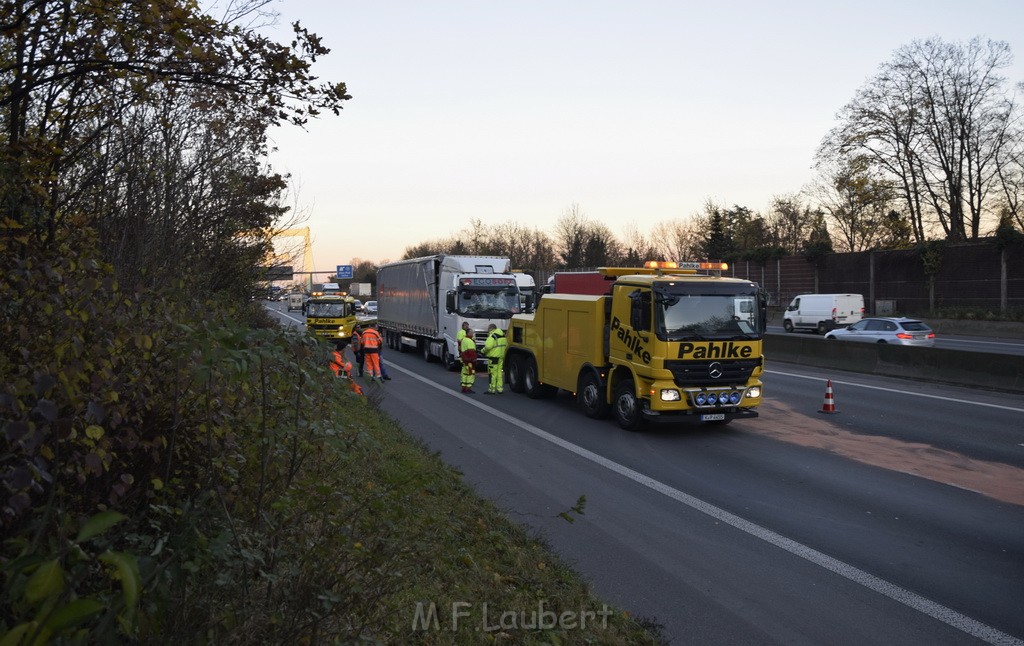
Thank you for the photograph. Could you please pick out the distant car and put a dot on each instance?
(370, 307)
(898, 331)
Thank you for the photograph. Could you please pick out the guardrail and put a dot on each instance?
(941, 365)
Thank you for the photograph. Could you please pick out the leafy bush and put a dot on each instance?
(176, 471)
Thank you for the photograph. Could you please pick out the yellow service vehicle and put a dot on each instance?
(331, 318)
(656, 342)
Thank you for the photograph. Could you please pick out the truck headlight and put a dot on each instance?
(754, 392)
(669, 395)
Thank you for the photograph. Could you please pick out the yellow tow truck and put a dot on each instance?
(331, 318)
(650, 342)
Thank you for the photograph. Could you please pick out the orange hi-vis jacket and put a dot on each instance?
(337, 362)
(371, 341)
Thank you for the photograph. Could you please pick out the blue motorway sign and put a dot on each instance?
(344, 271)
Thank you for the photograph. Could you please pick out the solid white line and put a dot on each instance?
(1012, 344)
(937, 611)
(897, 390)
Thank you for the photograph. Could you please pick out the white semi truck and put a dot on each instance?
(422, 302)
(527, 290)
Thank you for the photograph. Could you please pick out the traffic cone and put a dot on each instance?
(830, 404)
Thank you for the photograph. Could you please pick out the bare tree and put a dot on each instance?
(855, 200)
(677, 239)
(582, 243)
(937, 120)
(529, 249)
(637, 248)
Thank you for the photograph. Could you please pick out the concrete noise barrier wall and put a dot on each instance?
(958, 367)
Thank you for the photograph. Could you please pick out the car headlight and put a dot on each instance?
(669, 395)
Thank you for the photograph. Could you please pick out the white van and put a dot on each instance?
(295, 301)
(823, 312)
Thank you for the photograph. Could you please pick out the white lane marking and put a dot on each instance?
(1012, 344)
(897, 390)
(285, 315)
(910, 599)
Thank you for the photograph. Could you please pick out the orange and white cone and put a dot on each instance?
(830, 404)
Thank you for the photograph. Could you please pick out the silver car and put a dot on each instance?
(898, 331)
(370, 307)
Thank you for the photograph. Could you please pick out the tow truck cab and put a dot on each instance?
(656, 343)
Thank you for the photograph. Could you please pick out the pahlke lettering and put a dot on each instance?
(724, 350)
(630, 340)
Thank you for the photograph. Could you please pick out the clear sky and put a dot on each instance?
(637, 112)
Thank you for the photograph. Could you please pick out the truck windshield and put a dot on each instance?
(326, 310)
(705, 311)
(499, 303)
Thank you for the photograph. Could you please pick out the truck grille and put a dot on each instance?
(700, 373)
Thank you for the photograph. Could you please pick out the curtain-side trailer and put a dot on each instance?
(423, 302)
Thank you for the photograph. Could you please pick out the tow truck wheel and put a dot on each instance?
(531, 382)
(514, 373)
(627, 407)
(590, 395)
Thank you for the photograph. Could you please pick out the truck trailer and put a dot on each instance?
(659, 343)
(423, 302)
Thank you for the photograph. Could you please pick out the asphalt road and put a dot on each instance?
(898, 520)
(796, 527)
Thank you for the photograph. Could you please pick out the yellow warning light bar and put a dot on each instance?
(714, 266)
(655, 267)
(661, 264)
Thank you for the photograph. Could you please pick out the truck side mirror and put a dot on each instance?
(640, 311)
(449, 302)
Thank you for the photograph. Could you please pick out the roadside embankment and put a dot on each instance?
(941, 365)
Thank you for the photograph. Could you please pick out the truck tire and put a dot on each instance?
(531, 382)
(447, 360)
(590, 396)
(425, 349)
(627, 406)
(822, 327)
(514, 373)
(787, 325)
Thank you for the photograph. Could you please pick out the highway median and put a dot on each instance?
(1002, 372)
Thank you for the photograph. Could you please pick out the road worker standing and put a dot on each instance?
(494, 350)
(467, 352)
(356, 343)
(372, 343)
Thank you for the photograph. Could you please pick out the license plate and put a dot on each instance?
(712, 417)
